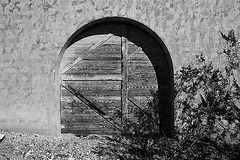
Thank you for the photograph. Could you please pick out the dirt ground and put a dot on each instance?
(21, 146)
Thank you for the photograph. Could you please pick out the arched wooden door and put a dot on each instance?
(109, 70)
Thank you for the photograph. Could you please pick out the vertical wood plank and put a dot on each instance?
(124, 72)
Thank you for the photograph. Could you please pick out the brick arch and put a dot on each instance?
(167, 113)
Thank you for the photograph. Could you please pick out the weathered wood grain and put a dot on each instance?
(89, 51)
(116, 71)
(124, 66)
(88, 103)
(91, 77)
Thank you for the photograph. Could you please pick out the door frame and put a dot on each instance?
(168, 117)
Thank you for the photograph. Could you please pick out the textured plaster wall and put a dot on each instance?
(33, 32)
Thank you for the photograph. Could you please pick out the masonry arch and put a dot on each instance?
(110, 65)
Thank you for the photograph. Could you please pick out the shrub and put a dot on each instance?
(231, 50)
(207, 106)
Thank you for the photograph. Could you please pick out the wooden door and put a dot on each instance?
(104, 75)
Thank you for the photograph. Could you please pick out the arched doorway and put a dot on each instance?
(109, 67)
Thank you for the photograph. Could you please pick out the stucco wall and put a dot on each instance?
(33, 32)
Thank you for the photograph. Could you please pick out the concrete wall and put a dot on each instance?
(33, 32)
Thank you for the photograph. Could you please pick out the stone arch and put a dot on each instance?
(167, 111)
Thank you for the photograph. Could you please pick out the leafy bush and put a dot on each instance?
(232, 51)
(207, 105)
(208, 108)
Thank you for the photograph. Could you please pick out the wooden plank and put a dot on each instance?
(79, 107)
(97, 67)
(99, 99)
(95, 88)
(90, 123)
(138, 74)
(88, 128)
(88, 132)
(89, 51)
(91, 77)
(142, 89)
(124, 72)
(98, 95)
(86, 116)
(139, 57)
(108, 108)
(73, 119)
(68, 119)
(76, 119)
(109, 51)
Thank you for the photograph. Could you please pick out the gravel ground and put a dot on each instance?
(21, 146)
